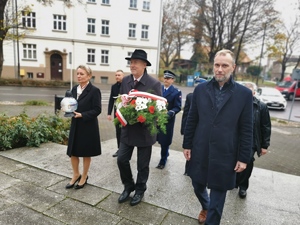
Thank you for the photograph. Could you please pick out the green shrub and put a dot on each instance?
(22, 130)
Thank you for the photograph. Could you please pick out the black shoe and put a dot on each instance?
(242, 193)
(160, 166)
(137, 198)
(81, 186)
(125, 195)
(115, 154)
(68, 186)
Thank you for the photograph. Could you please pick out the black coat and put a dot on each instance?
(186, 109)
(173, 96)
(261, 126)
(138, 134)
(114, 92)
(218, 139)
(84, 137)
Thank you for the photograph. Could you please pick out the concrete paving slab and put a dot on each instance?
(36, 176)
(90, 194)
(8, 165)
(19, 214)
(142, 213)
(7, 181)
(74, 212)
(34, 197)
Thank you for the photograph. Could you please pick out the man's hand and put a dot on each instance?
(187, 154)
(263, 151)
(240, 166)
(109, 117)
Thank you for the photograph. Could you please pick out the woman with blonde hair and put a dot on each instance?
(84, 137)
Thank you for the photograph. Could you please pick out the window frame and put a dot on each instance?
(104, 56)
(91, 24)
(146, 5)
(61, 21)
(91, 55)
(132, 30)
(29, 18)
(29, 51)
(133, 4)
(145, 32)
(105, 27)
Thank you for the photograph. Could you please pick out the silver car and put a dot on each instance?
(271, 97)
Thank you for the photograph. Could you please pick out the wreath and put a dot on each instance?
(142, 107)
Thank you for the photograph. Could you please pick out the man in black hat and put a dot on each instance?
(136, 135)
(173, 96)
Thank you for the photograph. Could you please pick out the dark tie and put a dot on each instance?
(135, 82)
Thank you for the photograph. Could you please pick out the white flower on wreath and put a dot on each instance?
(141, 103)
(160, 105)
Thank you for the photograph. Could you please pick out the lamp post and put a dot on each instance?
(18, 55)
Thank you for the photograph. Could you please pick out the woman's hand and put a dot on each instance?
(77, 115)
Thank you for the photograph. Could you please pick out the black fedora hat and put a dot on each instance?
(139, 54)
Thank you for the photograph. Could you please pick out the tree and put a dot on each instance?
(8, 21)
(254, 70)
(284, 44)
(175, 29)
(230, 24)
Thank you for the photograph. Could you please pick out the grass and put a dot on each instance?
(36, 102)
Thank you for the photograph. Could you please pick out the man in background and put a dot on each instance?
(261, 140)
(114, 92)
(173, 96)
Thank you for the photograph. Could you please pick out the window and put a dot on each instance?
(91, 1)
(91, 25)
(59, 22)
(91, 55)
(28, 19)
(132, 27)
(146, 5)
(128, 55)
(106, 2)
(145, 29)
(30, 75)
(29, 51)
(104, 56)
(133, 4)
(105, 27)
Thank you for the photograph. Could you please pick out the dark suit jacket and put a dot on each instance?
(138, 134)
(84, 137)
(114, 92)
(218, 139)
(173, 96)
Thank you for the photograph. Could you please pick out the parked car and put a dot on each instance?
(199, 80)
(287, 89)
(272, 97)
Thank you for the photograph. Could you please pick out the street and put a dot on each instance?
(23, 94)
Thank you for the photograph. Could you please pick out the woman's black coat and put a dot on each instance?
(84, 137)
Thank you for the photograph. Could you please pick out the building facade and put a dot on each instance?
(98, 33)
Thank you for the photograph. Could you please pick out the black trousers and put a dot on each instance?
(242, 179)
(118, 134)
(143, 160)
